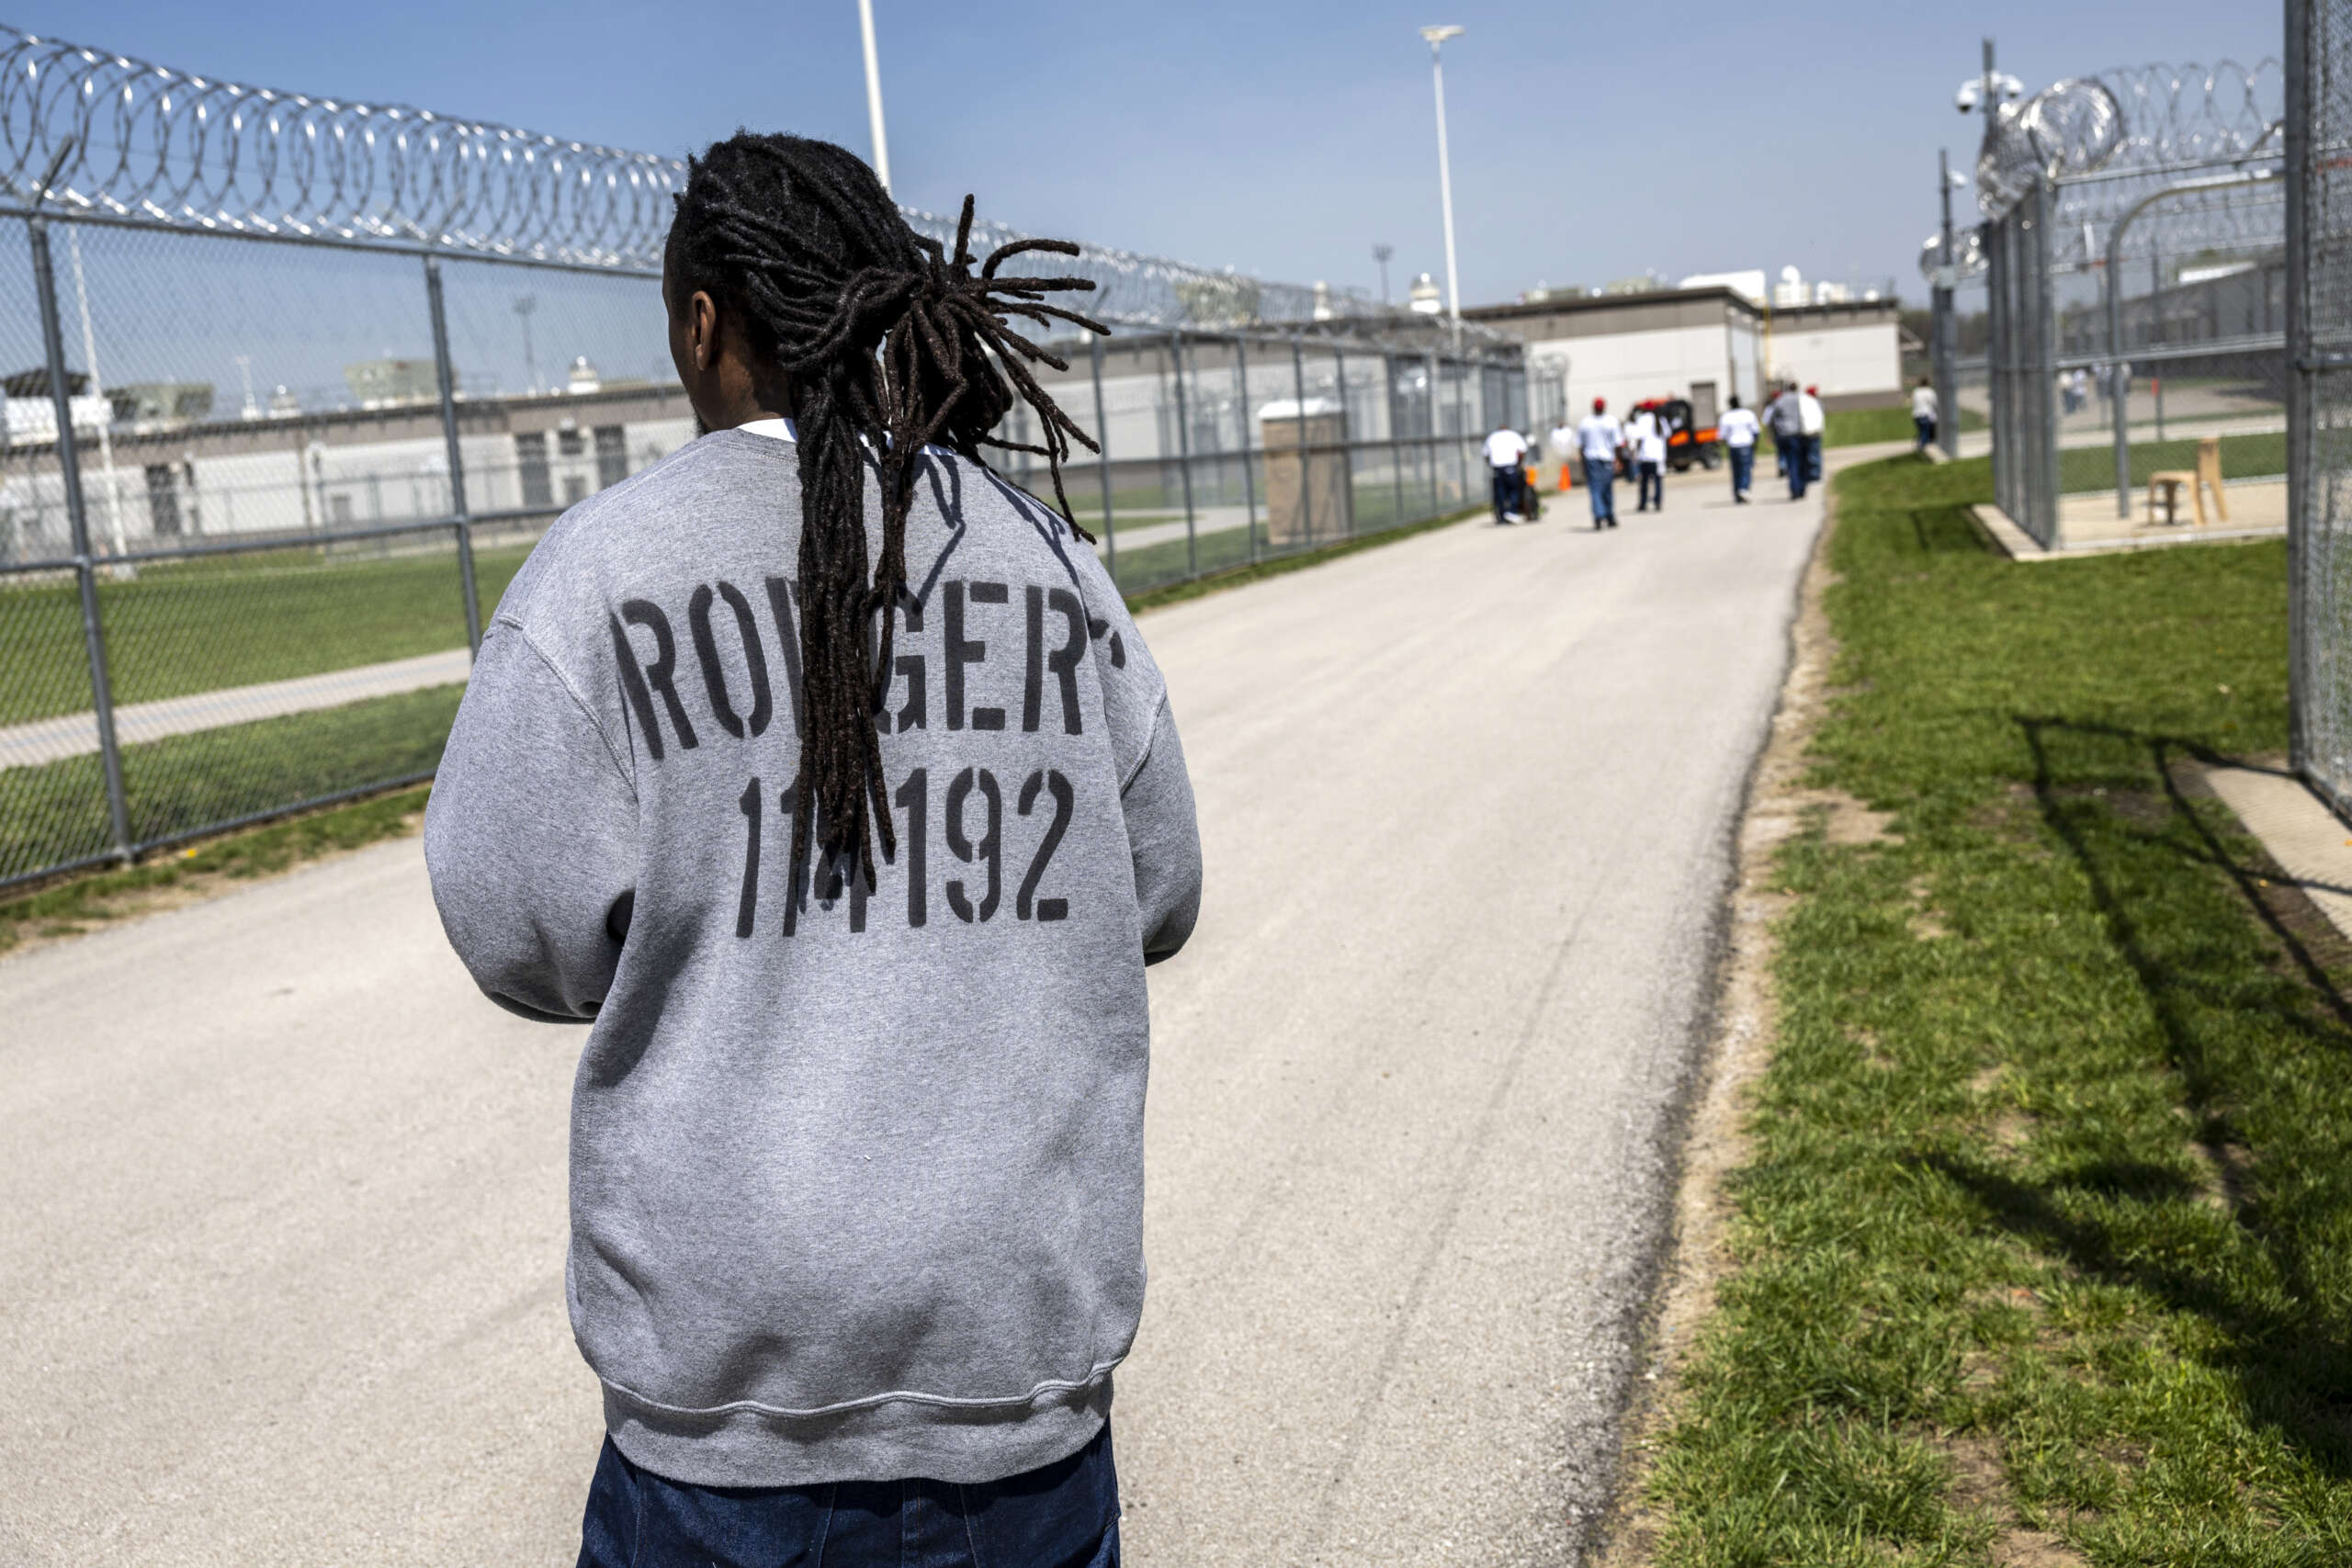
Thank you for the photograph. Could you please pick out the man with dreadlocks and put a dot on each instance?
(856, 1137)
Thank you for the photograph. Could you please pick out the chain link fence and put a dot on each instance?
(278, 430)
(2318, 290)
(2133, 263)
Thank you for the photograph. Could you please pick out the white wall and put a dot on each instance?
(1842, 360)
(1747, 363)
(284, 489)
(1626, 367)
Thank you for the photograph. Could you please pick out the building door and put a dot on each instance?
(163, 499)
(612, 456)
(531, 466)
(1703, 404)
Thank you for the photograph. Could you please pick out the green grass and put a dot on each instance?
(2051, 1170)
(56, 813)
(1861, 427)
(83, 900)
(203, 624)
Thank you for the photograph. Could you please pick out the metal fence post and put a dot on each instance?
(1249, 479)
(2045, 362)
(2156, 326)
(1299, 393)
(1102, 458)
(1462, 431)
(2302, 498)
(1184, 455)
(1395, 447)
(1346, 464)
(1945, 349)
(1429, 443)
(2119, 372)
(86, 572)
(1996, 357)
(447, 377)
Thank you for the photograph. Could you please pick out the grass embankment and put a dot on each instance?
(198, 626)
(2045, 1240)
(75, 905)
(1861, 427)
(56, 813)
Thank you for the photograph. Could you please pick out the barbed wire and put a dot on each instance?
(2127, 125)
(148, 145)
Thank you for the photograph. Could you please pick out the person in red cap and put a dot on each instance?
(1598, 438)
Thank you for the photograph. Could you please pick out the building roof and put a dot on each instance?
(1605, 314)
(1599, 315)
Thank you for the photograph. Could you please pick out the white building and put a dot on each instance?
(1705, 343)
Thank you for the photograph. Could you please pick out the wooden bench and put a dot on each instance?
(2207, 472)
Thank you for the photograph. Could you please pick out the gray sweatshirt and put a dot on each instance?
(856, 1179)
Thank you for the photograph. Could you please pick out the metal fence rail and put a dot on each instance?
(2319, 392)
(314, 415)
(205, 620)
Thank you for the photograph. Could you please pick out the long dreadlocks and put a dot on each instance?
(890, 344)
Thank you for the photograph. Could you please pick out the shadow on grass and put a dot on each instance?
(2272, 1290)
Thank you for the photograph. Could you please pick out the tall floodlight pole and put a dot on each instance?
(1381, 253)
(874, 92)
(1437, 37)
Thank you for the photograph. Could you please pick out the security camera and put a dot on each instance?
(1970, 95)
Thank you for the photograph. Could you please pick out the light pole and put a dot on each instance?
(874, 93)
(1437, 37)
(524, 305)
(1381, 253)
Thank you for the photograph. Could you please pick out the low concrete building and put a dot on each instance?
(1851, 349)
(1703, 344)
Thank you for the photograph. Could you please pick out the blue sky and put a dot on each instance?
(1285, 139)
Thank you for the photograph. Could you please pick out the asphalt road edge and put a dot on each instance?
(1736, 1033)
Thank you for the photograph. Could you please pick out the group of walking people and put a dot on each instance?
(1796, 420)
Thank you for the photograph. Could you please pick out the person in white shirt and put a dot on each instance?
(1738, 431)
(1597, 437)
(1506, 455)
(1562, 444)
(1813, 422)
(1923, 413)
(1647, 435)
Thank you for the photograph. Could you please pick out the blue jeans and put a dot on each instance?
(1743, 469)
(1600, 475)
(1926, 429)
(1065, 1515)
(1651, 478)
(1799, 463)
(1507, 482)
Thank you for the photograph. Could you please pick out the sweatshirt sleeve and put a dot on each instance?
(1166, 841)
(530, 837)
